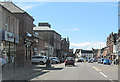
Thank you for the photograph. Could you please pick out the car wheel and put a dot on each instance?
(56, 62)
(73, 64)
(65, 65)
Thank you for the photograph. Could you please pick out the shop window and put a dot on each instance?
(8, 52)
(28, 52)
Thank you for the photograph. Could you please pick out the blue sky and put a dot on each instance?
(87, 24)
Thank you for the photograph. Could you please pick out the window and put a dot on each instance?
(12, 25)
(40, 57)
(7, 22)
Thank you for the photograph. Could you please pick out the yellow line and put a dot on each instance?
(96, 69)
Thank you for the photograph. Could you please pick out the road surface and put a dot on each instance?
(81, 71)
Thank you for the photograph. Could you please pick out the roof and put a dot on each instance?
(86, 51)
(12, 7)
(44, 29)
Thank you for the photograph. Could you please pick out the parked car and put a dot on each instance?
(2, 62)
(102, 59)
(90, 60)
(94, 60)
(86, 60)
(106, 61)
(80, 60)
(99, 61)
(39, 59)
(70, 61)
(62, 60)
(55, 60)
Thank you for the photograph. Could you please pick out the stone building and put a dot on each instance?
(42, 47)
(70, 54)
(95, 51)
(64, 47)
(25, 46)
(9, 35)
(51, 36)
(111, 41)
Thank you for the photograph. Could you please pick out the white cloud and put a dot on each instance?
(75, 29)
(72, 29)
(88, 45)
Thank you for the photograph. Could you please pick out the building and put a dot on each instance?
(104, 53)
(9, 35)
(78, 53)
(111, 41)
(35, 43)
(86, 54)
(95, 51)
(51, 36)
(42, 47)
(71, 53)
(64, 47)
(25, 46)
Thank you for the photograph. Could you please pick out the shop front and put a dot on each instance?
(28, 46)
(8, 46)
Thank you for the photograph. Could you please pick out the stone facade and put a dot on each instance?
(111, 41)
(25, 47)
(9, 35)
(64, 47)
(51, 36)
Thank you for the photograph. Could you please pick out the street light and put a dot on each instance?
(48, 63)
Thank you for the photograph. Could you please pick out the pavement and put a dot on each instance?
(81, 71)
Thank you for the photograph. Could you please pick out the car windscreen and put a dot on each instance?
(70, 58)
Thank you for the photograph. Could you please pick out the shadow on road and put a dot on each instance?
(49, 68)
(72, 66)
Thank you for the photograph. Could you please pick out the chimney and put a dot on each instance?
(44, 24)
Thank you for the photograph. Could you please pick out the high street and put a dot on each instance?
(81, 71)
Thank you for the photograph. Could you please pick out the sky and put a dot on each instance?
(87, 24)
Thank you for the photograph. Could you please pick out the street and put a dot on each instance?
(81, 71)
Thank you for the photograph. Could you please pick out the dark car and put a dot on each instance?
(87, 60)
(80, 60)
(70, 61)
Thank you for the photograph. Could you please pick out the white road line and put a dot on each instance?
(103, 74)
(111, 80)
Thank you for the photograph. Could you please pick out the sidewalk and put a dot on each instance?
(14, 74)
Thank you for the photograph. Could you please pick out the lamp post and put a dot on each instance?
(48, 63)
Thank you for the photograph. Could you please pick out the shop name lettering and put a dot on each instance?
(10, 36)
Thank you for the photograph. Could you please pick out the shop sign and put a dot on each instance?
(7, 36)
(28, 34)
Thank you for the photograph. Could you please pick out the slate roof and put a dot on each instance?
(86, 51)
(12, 7)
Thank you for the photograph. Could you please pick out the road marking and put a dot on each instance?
(96, 69)
(103, 74)
(111, 80)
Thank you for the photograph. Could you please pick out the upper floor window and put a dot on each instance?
(7, 22)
